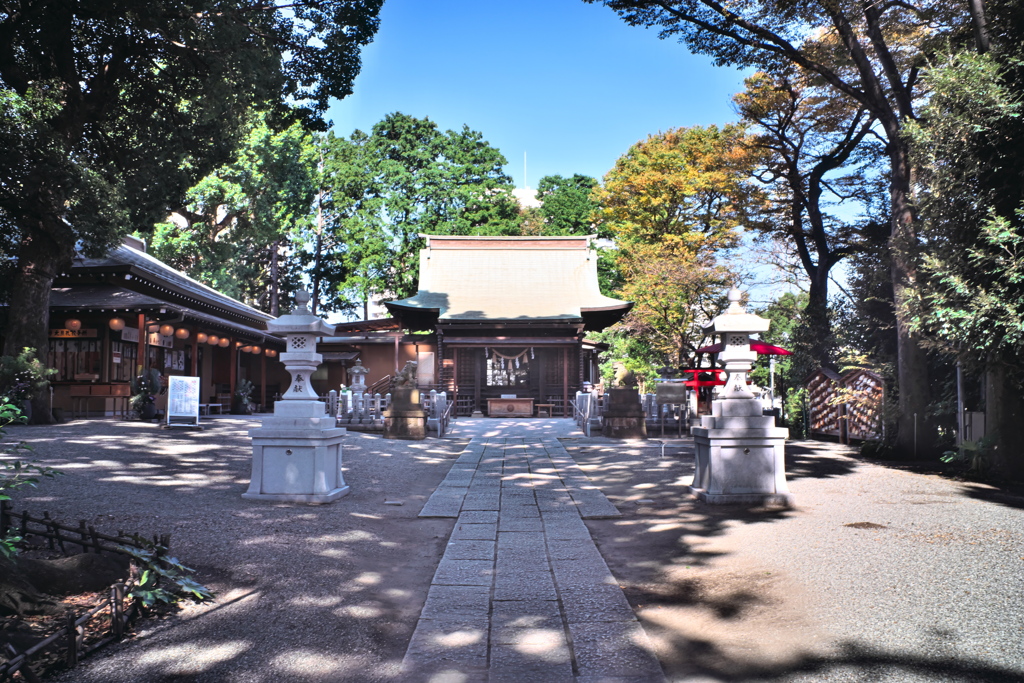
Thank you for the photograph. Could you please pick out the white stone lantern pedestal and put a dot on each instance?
(296, 453)
(740, 452)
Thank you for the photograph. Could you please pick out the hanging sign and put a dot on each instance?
(157, 339)
(130, 334)
(64, 333)
(182, 400)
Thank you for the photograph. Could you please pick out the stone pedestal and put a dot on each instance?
(405, 417)
(296, 456)
(624, 416)
(740, 456)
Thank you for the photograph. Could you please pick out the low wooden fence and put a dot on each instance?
(122, 609)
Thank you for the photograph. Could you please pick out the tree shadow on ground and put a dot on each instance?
(712, 614)
(305, 593)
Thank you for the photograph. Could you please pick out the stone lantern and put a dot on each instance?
(296, 453)
(358, 374)
(740, 451)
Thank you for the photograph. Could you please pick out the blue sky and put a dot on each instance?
(569, 84)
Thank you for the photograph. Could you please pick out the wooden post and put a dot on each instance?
(565, 380)
(140, 358)
(194, 370)
(71, 631)
(233, 364)
(263, 377)
(116, 610)
(84, 533)
(397, 340)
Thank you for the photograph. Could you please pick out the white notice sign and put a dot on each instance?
(182, 400)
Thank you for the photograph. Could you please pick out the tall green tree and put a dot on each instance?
(111, 109)
(240, 226)
(407, 178)
(869, 52)
(969, 145)
(568, 205)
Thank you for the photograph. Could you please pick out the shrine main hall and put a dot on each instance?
(494, 318)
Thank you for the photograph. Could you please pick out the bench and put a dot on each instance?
(118, 394)
(545, 413)
(208, 407)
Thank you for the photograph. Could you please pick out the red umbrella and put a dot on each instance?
(758, 346)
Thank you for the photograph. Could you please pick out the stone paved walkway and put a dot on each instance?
(522, 593)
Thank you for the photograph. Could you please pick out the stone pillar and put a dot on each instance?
(740, 451)
(296, 453)
(624, 414)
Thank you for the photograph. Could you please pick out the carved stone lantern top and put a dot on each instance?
(300, 320)
(735, 326)
(301, 328)
(358, 374)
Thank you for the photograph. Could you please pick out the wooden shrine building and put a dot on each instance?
(507, 316)
(113, 315)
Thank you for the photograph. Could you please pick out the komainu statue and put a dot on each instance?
(407, 377)
(623, 377)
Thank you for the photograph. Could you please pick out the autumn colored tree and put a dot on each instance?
(673, 202)
(870, 53)
(686, 189)
(675, 293)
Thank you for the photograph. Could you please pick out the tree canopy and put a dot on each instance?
(871, 53)
(406, 178)
(567, 204)
(112, 110)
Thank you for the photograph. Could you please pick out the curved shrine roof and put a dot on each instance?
(501, 279)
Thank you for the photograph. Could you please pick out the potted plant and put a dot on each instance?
(240, 403)
(144, 389)
(23, 378)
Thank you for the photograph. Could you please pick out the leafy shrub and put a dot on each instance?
(23, 377)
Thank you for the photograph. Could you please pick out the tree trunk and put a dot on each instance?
(28, 312)
(1004, 420)
(816, 324)
(275, 296)
(915, 432)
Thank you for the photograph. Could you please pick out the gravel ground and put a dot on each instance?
(928, 586)
(305, 593)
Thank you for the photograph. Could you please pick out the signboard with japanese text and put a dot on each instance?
(64, 333)
(182, 400)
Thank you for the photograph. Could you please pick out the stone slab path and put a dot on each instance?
(522, 593)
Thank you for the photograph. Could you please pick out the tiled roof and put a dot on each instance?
(527, 279)
(146, 266)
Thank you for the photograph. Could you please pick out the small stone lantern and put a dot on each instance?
(740, 452)
(358, 374)
(296, 453)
